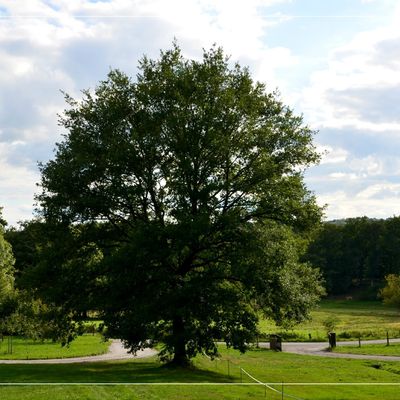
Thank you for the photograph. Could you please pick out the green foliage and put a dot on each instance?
(6, 268)
(176, 205)
(21, 312)
(31, 318)
(391, 292)
(26, 241)
(331, 323)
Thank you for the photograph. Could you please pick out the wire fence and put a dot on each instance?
(265, 385)
(278, 388)
(268, 386)
(271, 390)
(199, 384)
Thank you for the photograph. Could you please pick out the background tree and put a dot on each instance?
(6, 266)
(21, 312)
(326, 252)
(190, 180)
(390, 247)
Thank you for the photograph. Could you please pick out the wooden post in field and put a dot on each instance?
(387, 338)
(332, 340)
(359, 341)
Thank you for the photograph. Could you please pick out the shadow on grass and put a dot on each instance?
(143, 371)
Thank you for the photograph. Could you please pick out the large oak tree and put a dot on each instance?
(190, 180)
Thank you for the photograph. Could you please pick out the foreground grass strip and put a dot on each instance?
(305, 377)
(129, 384)
(199, 383)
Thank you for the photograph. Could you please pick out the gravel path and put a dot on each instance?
(320, 349)
(116, 351)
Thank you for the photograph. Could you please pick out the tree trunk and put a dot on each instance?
(178, 329)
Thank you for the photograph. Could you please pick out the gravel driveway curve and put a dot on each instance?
(116, 351)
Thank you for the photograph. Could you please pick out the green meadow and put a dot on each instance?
(368, 319)
(373, 349)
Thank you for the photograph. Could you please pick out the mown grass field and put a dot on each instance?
(370, 319)
(265, 365)
(85, 345)
(374, 349)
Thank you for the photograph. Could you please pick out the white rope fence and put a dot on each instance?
(266, 385)
(198, 384)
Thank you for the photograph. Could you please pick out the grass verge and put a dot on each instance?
(24, 349)
(368, 319)
(371, 349)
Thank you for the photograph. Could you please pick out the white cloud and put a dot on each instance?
(380, 190)
(367, 166)
(343, 175)
(17, 184)
(377, 201)
(355, 102)
(360, 87)
(332, 155)
(71, 44)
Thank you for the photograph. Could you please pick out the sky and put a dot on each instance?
(335, 62)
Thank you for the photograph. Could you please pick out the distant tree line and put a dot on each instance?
(356, 253)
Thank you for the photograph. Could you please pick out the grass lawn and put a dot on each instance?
(265, 365)
(85, 345)
(375, 349)
(371, 319)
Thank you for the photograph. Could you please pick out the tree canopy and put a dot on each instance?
(391, 292)
(183, 198)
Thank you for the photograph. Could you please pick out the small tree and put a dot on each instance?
(391, 292)
(330, 323)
